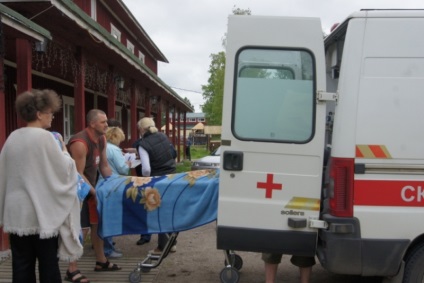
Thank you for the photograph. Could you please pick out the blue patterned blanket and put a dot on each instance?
(150, 205)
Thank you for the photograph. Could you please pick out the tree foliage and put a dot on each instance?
(213, 92)
(188, 102)
(238, 11)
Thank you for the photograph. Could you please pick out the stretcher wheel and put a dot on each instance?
(135, 277)
(235, 261)
(229, 275)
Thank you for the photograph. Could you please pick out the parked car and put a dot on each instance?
(208, 162)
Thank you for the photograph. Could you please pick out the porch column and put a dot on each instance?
(111, 95)
(159, 113)
(23, 69)
(174, 126)
(179, 135)
(167, 119)
(133, 108)
(79, 92)
(184, 133)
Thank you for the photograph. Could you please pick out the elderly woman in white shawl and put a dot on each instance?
(39, 206)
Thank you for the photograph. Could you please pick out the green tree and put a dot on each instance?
(213, 92)
(188, 102)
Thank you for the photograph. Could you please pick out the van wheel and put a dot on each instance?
(414, 266)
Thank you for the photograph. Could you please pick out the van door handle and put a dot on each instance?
(233, 160)
(296, 222)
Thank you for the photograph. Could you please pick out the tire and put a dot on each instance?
(229, 275)
(414, 266)
(135, 277)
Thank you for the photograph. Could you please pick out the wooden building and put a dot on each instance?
(94, 54)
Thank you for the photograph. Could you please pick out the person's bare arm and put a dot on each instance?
(79, 153)
(104, 167)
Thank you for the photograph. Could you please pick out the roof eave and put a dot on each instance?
(15, 20)
(72, 11)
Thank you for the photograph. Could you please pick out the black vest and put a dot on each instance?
(158, 147)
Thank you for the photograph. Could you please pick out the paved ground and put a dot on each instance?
(198, 260)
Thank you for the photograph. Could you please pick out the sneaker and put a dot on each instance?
(118, 250)
(173, 249)
(114, 254)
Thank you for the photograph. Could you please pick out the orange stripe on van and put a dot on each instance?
(372, 151)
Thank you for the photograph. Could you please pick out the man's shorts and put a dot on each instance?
(89, 214)
(300, 261)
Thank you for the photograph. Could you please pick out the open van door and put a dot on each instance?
(273, 133)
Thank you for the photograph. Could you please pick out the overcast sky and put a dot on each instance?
(189, 31)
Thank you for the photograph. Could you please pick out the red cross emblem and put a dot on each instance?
(269, 185)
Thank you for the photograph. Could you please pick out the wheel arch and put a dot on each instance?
(417, 241)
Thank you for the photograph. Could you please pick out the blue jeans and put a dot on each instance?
(108, 246)
(26, 250)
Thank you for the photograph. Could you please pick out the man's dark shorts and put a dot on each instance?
(300, 261)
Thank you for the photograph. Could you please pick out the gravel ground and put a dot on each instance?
(198, 260)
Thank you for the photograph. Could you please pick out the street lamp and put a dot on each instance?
(120, 82)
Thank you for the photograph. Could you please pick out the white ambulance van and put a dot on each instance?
(289, 95)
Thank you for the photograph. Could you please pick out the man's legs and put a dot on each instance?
(270, 272)
(271, 265)
(305, 264)
(305, 274)
(98, 244)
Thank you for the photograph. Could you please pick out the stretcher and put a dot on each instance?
(172, 203)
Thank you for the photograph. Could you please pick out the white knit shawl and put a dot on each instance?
(38, 190)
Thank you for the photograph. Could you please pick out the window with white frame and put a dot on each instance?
(115, 32)
(192, 119)
(201, 119)
(141, 56)
(118, 114)
(94, 10)
(130, 46)
(68, 117)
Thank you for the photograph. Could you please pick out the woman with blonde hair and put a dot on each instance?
(119, 166)
(115, 157)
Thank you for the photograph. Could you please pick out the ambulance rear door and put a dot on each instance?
(272, 135)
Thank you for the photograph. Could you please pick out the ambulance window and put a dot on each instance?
(274, 95)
